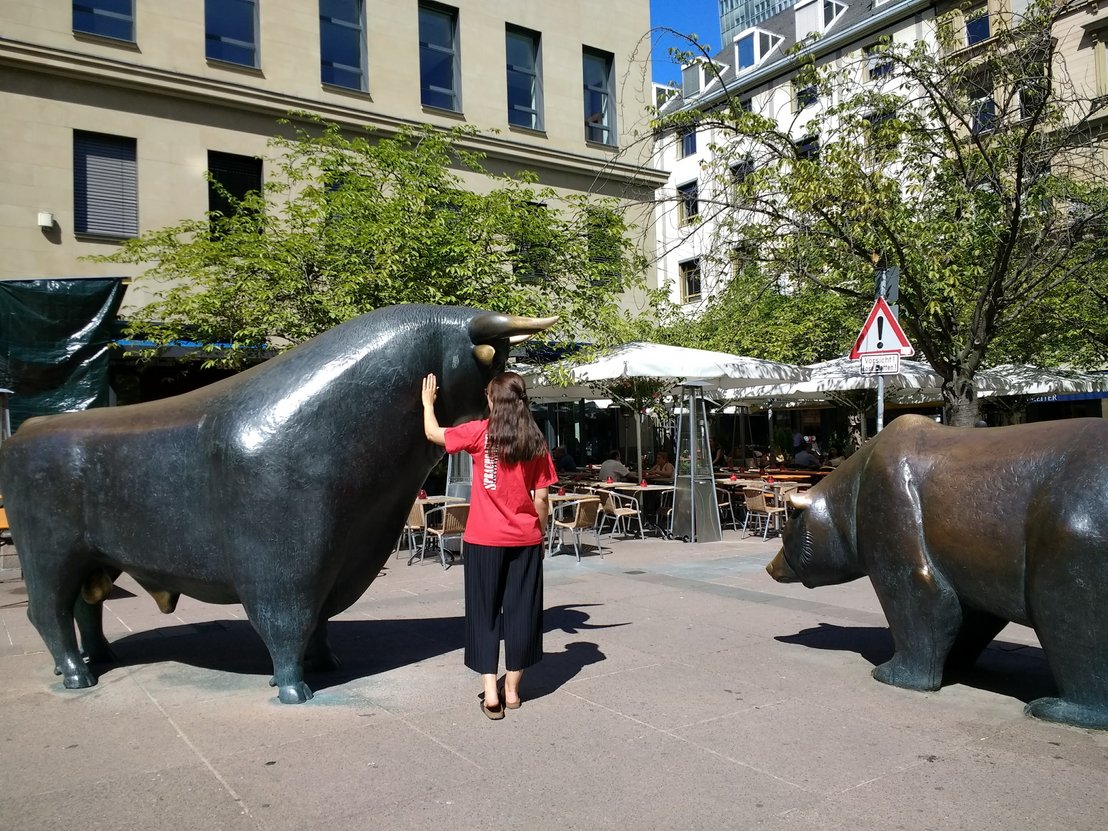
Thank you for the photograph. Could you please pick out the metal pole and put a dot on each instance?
(880, 378)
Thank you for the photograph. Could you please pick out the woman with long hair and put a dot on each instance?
(503, 540)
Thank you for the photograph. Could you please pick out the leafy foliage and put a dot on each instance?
(349, 224)
(974, 170)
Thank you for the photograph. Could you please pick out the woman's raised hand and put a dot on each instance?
(430, 390)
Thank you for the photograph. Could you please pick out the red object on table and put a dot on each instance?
(642, 484)
(734, 478)
(769, 479)
(609, 480)
(561, 491)
(422, 493)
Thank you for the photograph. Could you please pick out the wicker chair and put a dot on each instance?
(454, 517)
(620, 509)
(759, 507)
(415, 526)
(583, 518)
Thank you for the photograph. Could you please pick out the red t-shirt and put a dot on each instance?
(501, 511)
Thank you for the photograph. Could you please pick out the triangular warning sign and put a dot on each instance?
(881, 334)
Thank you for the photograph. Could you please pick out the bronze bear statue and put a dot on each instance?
(283, 488)
(962, 530)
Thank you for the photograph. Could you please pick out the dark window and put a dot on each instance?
(237, 176)
(105, 185)
(878, 64)
(231, 31)
(977, 26)
(831, 10)
(524, 78)
(688, 196)
(740, 170)
(342, 43)
(107, 18)
(745, 51)
(531, 254)
(690, 280)
(687, 137)
(881, 136)
(599, 98)
(982, 105)
(438, 57)
(806, 95)
(808, 149)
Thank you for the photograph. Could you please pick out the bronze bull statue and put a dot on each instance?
(962, 530)
(283, 488)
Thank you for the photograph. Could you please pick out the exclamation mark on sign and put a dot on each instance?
(880, 328)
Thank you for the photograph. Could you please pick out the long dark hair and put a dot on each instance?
(513, 435)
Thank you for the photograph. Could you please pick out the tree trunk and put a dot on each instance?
(855, 429)
(960, 402)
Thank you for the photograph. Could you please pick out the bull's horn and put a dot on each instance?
(484, 353)
(800, 501)
(489, 326)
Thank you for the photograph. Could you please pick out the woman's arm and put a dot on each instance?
(431, 428)
(540, 496)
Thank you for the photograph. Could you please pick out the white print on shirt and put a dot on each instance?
(491, 468)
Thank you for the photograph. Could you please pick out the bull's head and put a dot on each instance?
(465, 374)
(488, 329)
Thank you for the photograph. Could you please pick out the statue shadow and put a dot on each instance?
(1003, 668)
(363, 647)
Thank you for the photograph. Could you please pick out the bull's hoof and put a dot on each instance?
(1066, 712)
(296, 693)
(76, 676)
(894, 673)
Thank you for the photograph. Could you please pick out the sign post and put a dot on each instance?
(880, 346)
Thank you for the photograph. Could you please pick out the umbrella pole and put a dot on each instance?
(638, 438)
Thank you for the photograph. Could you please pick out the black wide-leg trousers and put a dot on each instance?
(503, 597)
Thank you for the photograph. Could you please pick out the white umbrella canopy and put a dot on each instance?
(840, 375)
(1023, 379)
(701, 367)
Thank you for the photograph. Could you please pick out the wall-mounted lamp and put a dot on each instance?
(45, 219)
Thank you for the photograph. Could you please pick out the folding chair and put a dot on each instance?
(758, 507)
(414, 526)
(620, 508)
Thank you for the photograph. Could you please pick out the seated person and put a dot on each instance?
(663, 467)
(612, 468)
(805, 458)
(718, 459)
(835, 458)
(774, 458)
(563, 462)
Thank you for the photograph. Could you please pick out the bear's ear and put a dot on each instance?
(800, 501)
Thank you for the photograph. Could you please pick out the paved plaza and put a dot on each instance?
(681, 689)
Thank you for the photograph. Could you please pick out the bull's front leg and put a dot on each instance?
(924, 618)
(285, 630)
(320, 657)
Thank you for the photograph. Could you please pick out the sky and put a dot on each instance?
(699, 17)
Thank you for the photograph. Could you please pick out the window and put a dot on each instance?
(342, 43)
(686, 140)
(605, 244)
(688, 202)
(741, 170)
(236, 175)
(105, 185)
(439, 71)
(530, 251)
(982, 105)
(831, 10)
(977, 25)
(231, 31)
(107, 18)
(600, 114)
(690, 80)
(805, 94)
(881, 136)
(807, 149)
(690, 280)
(878, 64)
(753, 48)
(524, 78)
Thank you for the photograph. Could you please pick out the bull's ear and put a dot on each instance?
(800, 501)
(488, 326)
(484, 353)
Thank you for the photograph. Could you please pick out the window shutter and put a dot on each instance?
(105, 185)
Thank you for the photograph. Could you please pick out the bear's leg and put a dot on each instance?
(924, 618)
(979, 629)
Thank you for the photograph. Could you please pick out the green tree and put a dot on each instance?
(346, 224)
(974, 170)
